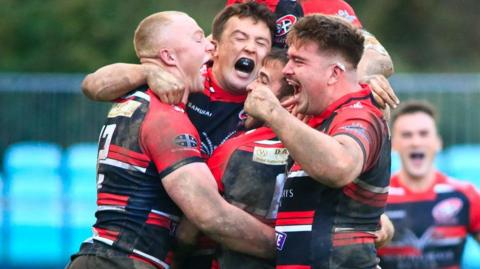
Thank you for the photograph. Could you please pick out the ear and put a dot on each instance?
(215, 48)
(393, 139)
(334, 75)
(439, 144)
(168, 57)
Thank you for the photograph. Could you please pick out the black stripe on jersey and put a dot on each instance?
(179, 164)
(362, 146)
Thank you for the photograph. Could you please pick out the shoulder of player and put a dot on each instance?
(359, 110)
(460, 185)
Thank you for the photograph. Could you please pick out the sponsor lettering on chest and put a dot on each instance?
(271, 156)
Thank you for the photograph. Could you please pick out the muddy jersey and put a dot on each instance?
(142, 141)
(288, 12)
(250, 172)
(430, 226)
(215, 113)
(322, 227)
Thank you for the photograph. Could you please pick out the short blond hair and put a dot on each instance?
(148, 35)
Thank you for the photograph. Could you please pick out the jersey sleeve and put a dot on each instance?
(365, 128)
(473, 196)
(169, 138)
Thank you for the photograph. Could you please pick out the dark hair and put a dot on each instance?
(332, 34)
(414, 106)
(257, 12)
(280, 55)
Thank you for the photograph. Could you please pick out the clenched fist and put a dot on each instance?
(261, 102)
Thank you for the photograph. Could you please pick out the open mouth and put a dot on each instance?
(417, 155)
(245, 65)
(294, 84)
(203, 69)
(417, 158)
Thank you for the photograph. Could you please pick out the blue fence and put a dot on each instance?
(48, 202)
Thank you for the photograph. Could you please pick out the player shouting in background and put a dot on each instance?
(432, 213)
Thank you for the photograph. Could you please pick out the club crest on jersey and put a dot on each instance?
(285, 23)
(280, 239)
(446, 211)
(186, 141)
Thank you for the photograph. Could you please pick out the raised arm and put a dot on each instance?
(193, 188)
(374, 68)
(332, 161)
(341, 157)
(375, 59)
(113, 81)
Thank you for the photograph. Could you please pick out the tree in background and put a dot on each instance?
(427, 35)
(82, 35)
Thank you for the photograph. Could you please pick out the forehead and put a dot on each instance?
(247, 25)
(187, 24)
(414, 122)
(303, 47)
(272, 66)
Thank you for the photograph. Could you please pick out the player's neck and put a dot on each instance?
(219, 80)
(417, 184)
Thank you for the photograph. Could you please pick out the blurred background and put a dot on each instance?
(49, 129)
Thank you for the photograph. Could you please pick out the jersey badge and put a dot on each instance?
(285, 24)
(280, 239)
(446, 211)
(124, 109)
(186, 141)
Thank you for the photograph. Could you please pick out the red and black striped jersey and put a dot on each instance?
(250, 172)
(430, 226)
(322, 227)
(216, 113)
(142, 141)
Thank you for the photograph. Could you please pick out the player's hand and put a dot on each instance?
(166, 86)
(385, 234)
(261, 102)
(382, 91)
